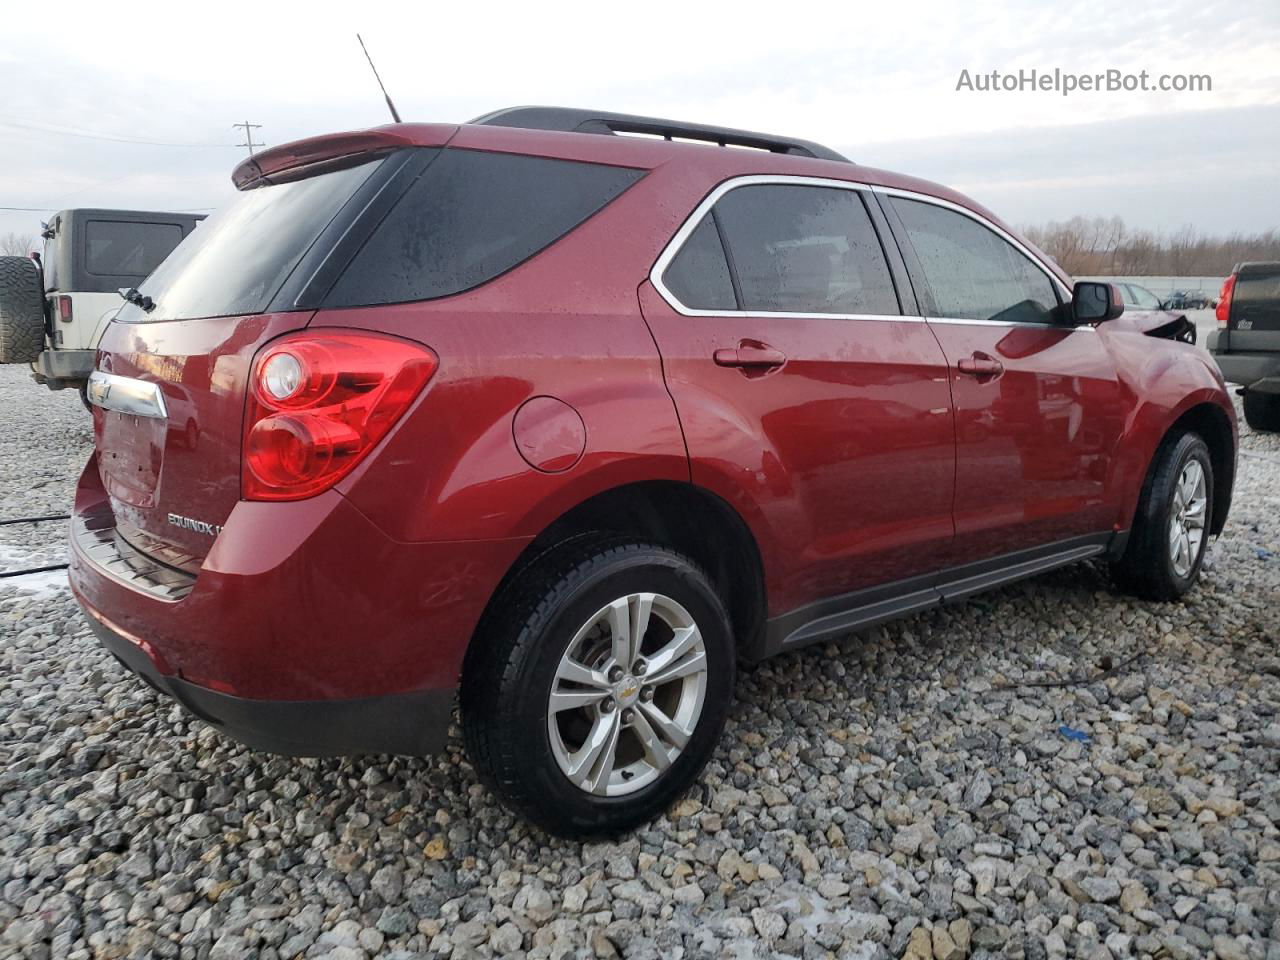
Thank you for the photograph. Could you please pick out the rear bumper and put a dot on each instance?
(415, 723)
(304, 630)
(64, 368)
(1260, 371)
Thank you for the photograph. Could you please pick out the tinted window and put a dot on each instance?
(117, 248)
(236, 260)
(699, 274)
(973, 273)
(1255, 303)
(471, 216)
(801, 249)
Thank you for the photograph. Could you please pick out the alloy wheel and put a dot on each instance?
(1187, 517)
(627, 694)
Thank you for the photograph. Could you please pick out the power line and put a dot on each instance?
(94, 135)
(248, 135)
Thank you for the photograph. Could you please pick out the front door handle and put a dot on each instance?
(746, 355)
(981, 366)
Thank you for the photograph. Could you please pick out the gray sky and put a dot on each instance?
(876, 82)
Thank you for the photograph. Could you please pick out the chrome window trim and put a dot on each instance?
(690, 224)
(140, 398)
(965, 321)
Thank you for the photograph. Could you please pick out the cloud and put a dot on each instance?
(873, 81)
(1215, 169)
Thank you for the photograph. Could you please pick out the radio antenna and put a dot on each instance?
(395, 115)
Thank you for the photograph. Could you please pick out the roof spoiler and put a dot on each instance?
(261, 167)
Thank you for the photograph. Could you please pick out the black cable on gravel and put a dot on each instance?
(22, 573)
(51, 516)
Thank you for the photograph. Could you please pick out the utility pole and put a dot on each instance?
(248, 135)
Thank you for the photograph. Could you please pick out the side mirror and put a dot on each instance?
(1095, 302)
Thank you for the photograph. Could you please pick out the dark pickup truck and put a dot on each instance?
(1247, 341)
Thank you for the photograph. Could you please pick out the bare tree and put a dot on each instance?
(1102, 246)
(16, 244)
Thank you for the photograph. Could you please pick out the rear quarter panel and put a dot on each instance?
(564, 324)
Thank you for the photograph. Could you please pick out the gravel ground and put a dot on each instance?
(909, 794)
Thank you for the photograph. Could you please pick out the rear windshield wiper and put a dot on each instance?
(138, 299)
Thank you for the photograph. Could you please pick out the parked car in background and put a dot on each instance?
(54, 308)
(1136, 297)
(1247, 341)
(1186, 300)
(564, 423)
(1174, 325)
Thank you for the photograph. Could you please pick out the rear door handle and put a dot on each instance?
(980, 366)
(749, 356)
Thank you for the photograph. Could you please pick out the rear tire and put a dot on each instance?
(1262, 411)
(559, 634)
(1170, 532)
(21, 310)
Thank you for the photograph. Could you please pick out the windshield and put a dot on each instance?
(1142, 298)
(238, 258)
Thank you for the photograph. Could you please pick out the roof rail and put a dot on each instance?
(571, 120)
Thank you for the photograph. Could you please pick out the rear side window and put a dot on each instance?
(118, 248)
(973, 273)
(1255, 303)
(469, 217)
(699, 275)
(804, 249)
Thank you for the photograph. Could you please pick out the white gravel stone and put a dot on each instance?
(866, 793)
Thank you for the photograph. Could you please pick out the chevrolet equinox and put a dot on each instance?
(560, 414)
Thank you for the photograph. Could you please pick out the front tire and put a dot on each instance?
(1170, 533)
(598, 686)
(1262, 411)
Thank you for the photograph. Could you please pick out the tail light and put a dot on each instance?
(64, 308)
(318, 403)
(1223, 310)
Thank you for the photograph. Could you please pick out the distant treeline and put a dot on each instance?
(1104, 246)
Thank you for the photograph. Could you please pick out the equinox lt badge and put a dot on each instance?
(199, 526)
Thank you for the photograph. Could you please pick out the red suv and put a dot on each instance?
(560, 413)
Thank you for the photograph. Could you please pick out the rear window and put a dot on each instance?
(235, 261)
(1255, 303)
(119, 248)
(469, 217)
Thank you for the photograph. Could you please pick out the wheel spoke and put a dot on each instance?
(1195, 514)
(641, 605)
(572, 699)
(681, 642)
(655, 751)
(620, 632)
(695, 662)
(574, 672)
(585, 764)
(602, 769)
(664, 726)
